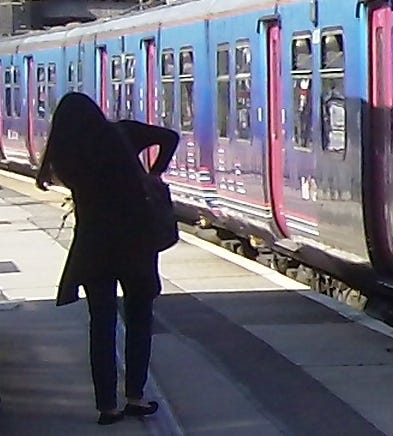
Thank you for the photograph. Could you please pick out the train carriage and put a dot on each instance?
(283, 108)
(324, 94)
(239, 80)
(185, 105)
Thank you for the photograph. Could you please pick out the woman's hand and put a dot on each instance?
(42, 183)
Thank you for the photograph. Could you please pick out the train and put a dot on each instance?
(284, 110)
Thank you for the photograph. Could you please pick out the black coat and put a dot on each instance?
(109, 202)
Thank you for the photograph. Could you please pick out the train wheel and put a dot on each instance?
(246, 250)
(279, 264)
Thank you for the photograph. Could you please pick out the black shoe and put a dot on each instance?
(134, 410)
(109, 418)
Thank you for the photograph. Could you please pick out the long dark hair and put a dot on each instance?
(76, 124)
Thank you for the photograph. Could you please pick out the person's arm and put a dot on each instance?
(45, 173)
(146, 135)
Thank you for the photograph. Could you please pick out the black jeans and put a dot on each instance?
(138, 309)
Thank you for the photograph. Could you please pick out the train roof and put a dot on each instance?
(184, 10)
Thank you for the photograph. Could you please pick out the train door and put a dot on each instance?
(379, 153)
(2, 156)
(151, 101)
(275, 136)
(102, 79)
(30, 92)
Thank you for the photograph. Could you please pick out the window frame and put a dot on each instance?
(239, 77)
(117, 80)
(129, 83)
(51, 87)
(12, 87)
(184, 79)
(41, 86)
(306, 74)
(226, 79)
(8, 90)
(71, 76)
(333, 73)
(168, 79)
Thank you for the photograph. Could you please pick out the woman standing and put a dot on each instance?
(89, 156)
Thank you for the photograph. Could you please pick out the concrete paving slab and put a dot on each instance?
(360, 385)
(251, 282)
(184, 253)
(246, 308)
(7, 193)
(381, 416)
(280, 388)
(11, 212)
(368, 389)
(206, 270)
(21, 200)
(5, 183)
(31, 294)
(50, 223)
(15, 226)
(45, 381)
(327, 344)
(203, 398)
(170, 288)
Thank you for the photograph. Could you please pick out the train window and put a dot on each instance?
(41, 74)
(71, 72)
(130, 67)
(117, 100)
(7, 90)
(167, 88)
(186, 62)
(17, 102)
(333, 105)
(52, 73)
(168, 104)
(130, 101)
(223, 108)
(7, 76)
(243, 107)
(51, 87)
(116, 68)
(168, 64)
(41, 91)
(243, 90)
(223, 91)
(302, 91)
(16, 92)
(332, 51)
(16, 76)
(80, 76)
(223, 61)
(71, 77)
(187, 106)
(8, 100)
(381, 77)
(116, 76)
(12, 96)
(301, 53)
(243, 58)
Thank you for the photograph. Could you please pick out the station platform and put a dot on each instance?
(238, 349)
